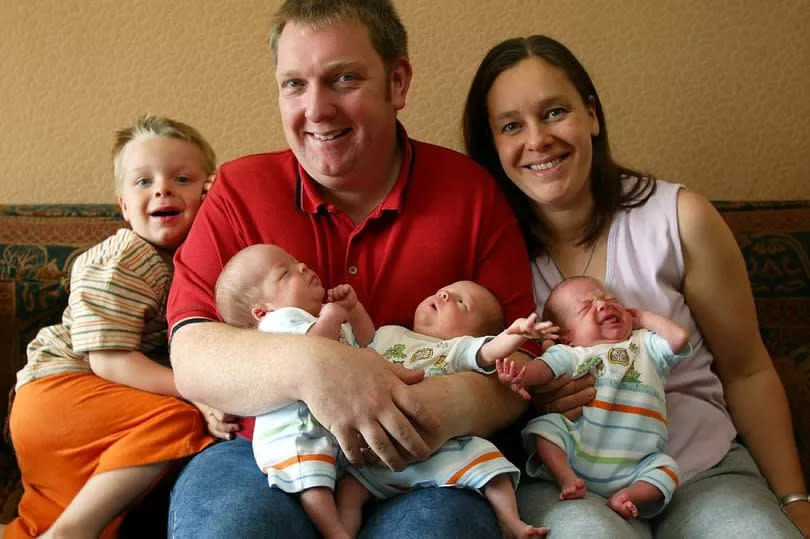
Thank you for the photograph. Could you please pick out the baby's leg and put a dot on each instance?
(501, 494)
(627, 501)
(555, 459)
(319, 505)
(103, 498)
(351, 495)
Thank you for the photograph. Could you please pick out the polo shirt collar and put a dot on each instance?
(310, 200)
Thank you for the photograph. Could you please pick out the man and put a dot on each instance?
(360, 203)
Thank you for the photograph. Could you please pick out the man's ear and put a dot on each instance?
(123, 206)
(401, 73)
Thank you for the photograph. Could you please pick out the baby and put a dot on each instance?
(264, 286)
(616, 448)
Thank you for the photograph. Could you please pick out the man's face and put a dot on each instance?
(338, 105)
(462, 308)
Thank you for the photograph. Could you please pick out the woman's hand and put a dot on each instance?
(219, 423)
(564, 396)
(799, 513)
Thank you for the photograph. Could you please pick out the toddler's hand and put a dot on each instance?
(208, 184)
(511, 375)
(530, 328)
(219, 423)
(344, 295)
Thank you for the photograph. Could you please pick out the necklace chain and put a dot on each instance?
(584, 270)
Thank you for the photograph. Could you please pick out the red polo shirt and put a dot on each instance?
(444, 220)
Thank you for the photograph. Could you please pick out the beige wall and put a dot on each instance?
(710, 93)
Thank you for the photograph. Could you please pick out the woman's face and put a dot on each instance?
(542, 131)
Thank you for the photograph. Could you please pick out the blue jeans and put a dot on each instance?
(222, 493)
(730, 500)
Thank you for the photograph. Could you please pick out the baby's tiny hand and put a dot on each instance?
(511, 375)
(636, 314)
(343, 294)
(530, 328)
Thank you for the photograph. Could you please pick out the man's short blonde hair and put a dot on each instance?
(385, 29)
(150, 125)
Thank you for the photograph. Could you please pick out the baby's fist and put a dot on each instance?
(344, 295)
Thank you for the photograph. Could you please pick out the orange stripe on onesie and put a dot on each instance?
(67, 428)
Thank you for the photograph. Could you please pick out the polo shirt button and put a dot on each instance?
(353, 270)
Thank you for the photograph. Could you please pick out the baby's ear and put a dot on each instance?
(259, 311)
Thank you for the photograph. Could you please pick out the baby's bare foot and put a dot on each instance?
(573, 490)
(520, 530)
(622, 504)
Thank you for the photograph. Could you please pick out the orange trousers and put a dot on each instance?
(69, 427)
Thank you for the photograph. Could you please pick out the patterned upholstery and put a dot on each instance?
(39, 243)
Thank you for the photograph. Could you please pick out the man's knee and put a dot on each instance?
(432, 512)
(222, 493)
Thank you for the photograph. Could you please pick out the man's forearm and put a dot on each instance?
(469, 404)
(242, 371)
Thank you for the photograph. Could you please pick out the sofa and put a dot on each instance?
(38, 244)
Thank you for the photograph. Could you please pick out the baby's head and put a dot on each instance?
(262, 278)
(161, 167)
(462, 308)
(587, 313)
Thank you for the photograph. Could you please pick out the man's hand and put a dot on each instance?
(219, 423)
(363, 394)
(565, 396)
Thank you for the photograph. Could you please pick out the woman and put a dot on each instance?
(534, 119)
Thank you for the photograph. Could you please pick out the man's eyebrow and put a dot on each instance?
(329, 67)
(344, 64)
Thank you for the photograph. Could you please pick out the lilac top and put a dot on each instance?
(645, 269)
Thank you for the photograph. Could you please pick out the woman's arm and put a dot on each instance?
(717, 291)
